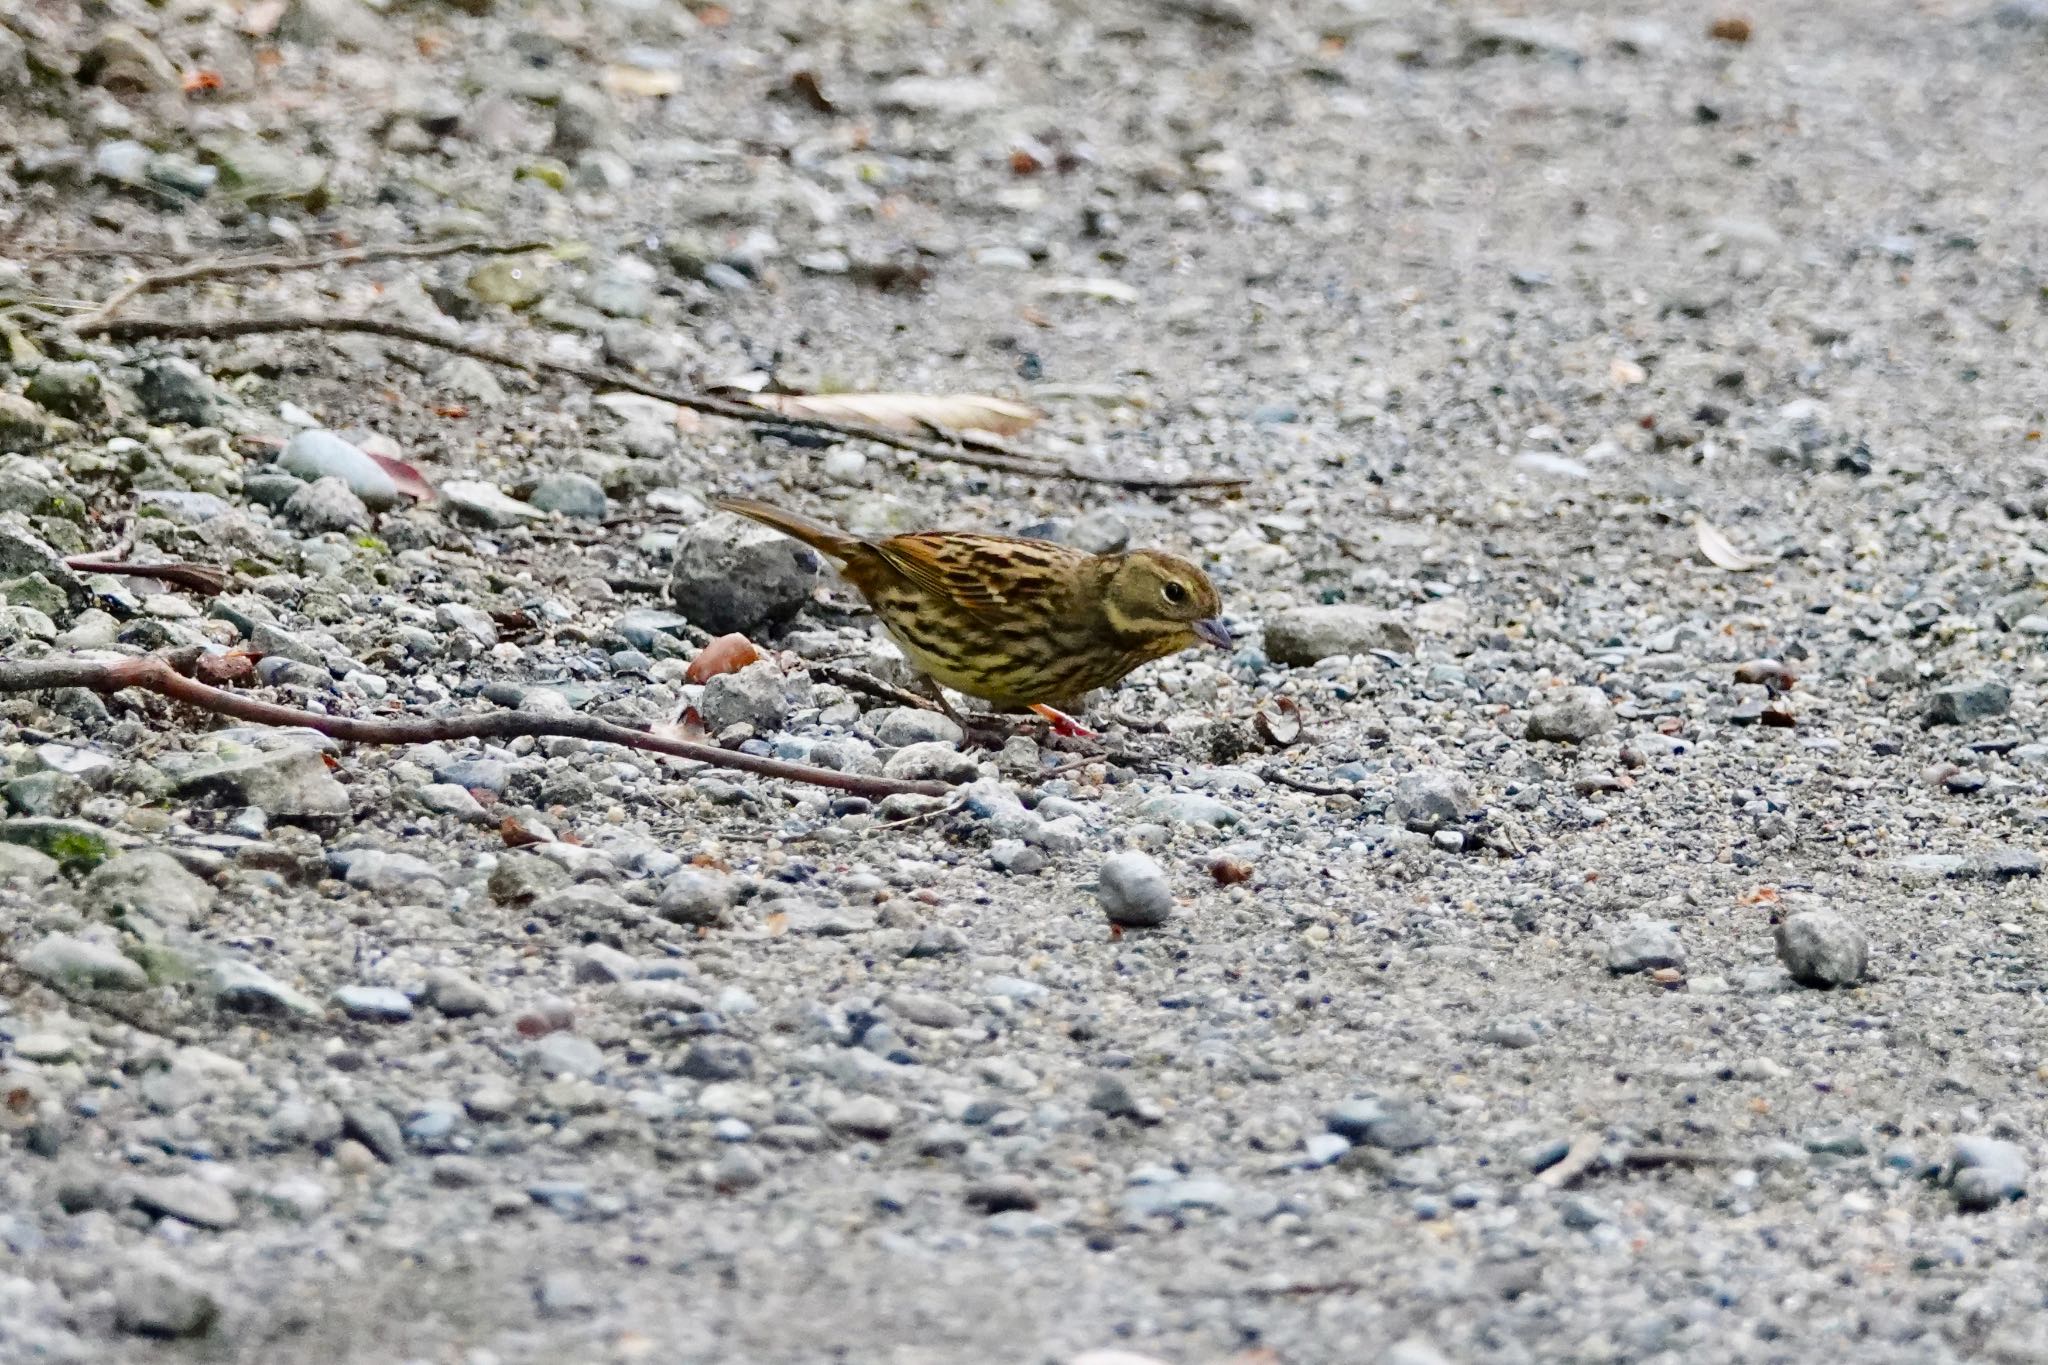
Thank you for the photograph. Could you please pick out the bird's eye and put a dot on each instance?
(1176, 593)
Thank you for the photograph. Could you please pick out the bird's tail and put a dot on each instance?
(826, 540)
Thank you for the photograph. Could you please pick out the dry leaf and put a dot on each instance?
(518, 835)
(410, 481)
(1279, 724)
(1230, 871)
(1765, 894)
(1731, 29)
(911, 413)
(1720, 552)
(218, 670)
(726, 654)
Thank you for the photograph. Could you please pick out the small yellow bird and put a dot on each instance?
(1022, 624)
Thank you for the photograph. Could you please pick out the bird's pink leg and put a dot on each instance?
(1062, 723)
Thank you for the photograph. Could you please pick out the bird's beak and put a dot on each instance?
(1212, 632)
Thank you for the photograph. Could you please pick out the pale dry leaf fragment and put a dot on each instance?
(1094, 287)
(906, 412)
(648, 82)
(1720, 552)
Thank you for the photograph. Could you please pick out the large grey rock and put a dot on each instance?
(1307, 635)
(175, 390)
(734, 574)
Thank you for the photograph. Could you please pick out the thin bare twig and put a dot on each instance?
(1578, 1159)
(203, 579)
(1274, 775)
(853, 680)
(221, 267)
(172, 329)
(155, 673)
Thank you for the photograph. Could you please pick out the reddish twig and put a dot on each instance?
(154, 673)
(172, 329)
(200, 578)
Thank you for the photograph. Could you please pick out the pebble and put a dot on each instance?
(374, 1004)
(757, 695)
(326, 504)
(154, 1299)
(1431, 800)
(1308, 635)
(932, 761)
(486, 504)
(188, 1199)
(1581, 714)
(867, 1116)
(1134, 891)
(565, 1054)
(1643, 945)
(1822, 948)
(1394, 1127)
(902, 726)
(237, 985)
(1190, 808)
(1985, 1172)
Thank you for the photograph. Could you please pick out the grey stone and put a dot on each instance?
(66, 961)
(82, 964)
(732, 574)
(1965, 702)
(694, 896)
(867, 1116)
(1985, 1172)
(292, 784)
(72, 390)
(577, 496)
(757, 695)
(902, 726)
(374, 1127)
(1389, 1125)
(176, 390)
(1644, 945)
(1134, 891)
(1308, 635)
(565, 1054)
(374, 1004)
(932, 761)
(1431, 799)
(717, 1059)
(929, 1011)
(456, 995)
(153, 1299)
(1189, 808)
(314, 455)
(326, 505)
(237, 985)
(1582, 713)
(151, 884)
(486, 504)
(1822, 948)
(188, 1199)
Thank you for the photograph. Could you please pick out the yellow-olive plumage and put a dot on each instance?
(1016, 622)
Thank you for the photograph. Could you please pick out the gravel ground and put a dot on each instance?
(1632, 959)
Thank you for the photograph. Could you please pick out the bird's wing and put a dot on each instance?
(985, 574)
